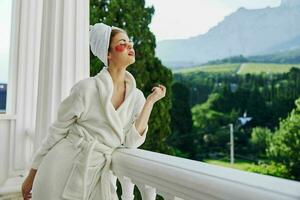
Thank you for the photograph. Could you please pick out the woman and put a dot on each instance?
(101, 114)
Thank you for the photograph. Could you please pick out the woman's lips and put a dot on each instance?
(131, 53)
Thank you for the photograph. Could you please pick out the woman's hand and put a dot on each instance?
(26, 188)
(27, 185)
(158, 92)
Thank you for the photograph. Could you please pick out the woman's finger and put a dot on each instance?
(154, 88)
(162, 86)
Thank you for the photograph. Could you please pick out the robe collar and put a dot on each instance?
(105, 88)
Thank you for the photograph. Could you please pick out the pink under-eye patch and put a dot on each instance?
(120, 47)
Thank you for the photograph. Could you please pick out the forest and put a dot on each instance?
(205, 103)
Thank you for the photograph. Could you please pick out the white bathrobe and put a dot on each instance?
(74, 159)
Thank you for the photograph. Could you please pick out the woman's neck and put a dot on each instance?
(118, 76)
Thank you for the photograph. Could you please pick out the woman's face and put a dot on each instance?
(121, 50)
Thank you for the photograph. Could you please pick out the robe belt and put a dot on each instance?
(85, 173)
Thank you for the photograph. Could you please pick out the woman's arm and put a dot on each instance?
(142, 120)
(68, 111)
(27, 184)
(136, 135)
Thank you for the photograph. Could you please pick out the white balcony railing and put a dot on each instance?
(176, 178)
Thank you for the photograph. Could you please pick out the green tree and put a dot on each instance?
(284, 147)
(259, 139)
(212, 125)
(206, 118)
(181, 119)
(134, 18)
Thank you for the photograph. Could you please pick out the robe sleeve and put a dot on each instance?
(68, 111)
(133, 139)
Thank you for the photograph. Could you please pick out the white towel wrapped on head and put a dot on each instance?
(99, 41)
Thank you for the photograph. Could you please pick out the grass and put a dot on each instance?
(251, 68)
(238, 163)
(257, 68)
(221, 68)
(266, 168)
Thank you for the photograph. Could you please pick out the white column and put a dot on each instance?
(22, 84)
(49, 53)
(64, 57)
(147, 192)
(21, 92)
(127, 188)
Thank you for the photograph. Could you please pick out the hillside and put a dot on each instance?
(240, 68)
(247, 32)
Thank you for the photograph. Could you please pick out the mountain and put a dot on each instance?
(285, 46)
(290, 3)
(289, 57)
(246, 31)
(286, 57)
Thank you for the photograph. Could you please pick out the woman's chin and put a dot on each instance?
(132, 61)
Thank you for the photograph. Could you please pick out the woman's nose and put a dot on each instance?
(130, 46)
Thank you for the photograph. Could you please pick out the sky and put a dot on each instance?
(5, 21)
(175, 20)
(172, 20)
